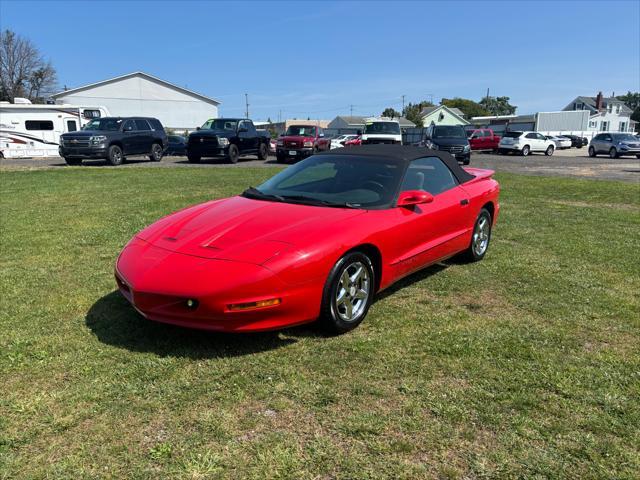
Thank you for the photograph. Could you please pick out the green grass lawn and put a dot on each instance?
(526, 364)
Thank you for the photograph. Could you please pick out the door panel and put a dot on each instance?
(129, 140)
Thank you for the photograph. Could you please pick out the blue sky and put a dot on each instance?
(318, 58)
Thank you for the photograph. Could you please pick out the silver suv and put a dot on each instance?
(615, 145)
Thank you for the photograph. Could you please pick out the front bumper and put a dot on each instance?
(97, 151)
(629, 151)
(294, 152)
(207, 150)
(158, 283)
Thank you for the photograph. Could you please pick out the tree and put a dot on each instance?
(412, 112)
(390, 112)
(23, 70)
(632, 100)
(468, 107)
(498, 105)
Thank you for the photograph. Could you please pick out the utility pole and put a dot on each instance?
(246, 101)
(487, 93)
(351, 110)
(403, 104)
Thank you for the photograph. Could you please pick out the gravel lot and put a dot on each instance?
(572, 162)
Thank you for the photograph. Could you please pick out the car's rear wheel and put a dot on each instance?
(263, 152)
(233, 154)
(480, 238)
(348, 292)
(549, 151)
(525, 150)
(73, 161)
(613, 153)
(156, 152)
(115, 155)
(592, 152)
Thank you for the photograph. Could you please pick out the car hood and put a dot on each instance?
(84, 133)
(243, 229)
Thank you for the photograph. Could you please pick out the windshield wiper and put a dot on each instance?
(254, 193)
(317, 201)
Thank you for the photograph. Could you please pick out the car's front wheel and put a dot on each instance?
(156, 152)
(592, 152)
(480, 238)
(115, 155)
(233, 154)
(613, 153)
(263, 151)
(348, 292)
(549, 151)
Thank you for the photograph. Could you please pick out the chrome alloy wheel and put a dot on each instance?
(352, 294)
(481, 236)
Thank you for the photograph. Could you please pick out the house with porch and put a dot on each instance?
(606, 114)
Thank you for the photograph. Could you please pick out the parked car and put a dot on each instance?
(354, 142)
(339, 141)
(272, 146)
(448, 138)
(177, 145)
(483, 139)
(560, 141)
(113, 139)
(300, 141)
(381, 130)
(230, 138)
(525, 142)
(615, 145)
(576, 141)
(293, 250)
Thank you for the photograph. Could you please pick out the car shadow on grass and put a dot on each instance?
(415, 278)
(115, 322)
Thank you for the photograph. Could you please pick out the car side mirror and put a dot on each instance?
(197, 128)
(414, 197)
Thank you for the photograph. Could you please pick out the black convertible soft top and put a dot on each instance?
(403, 154)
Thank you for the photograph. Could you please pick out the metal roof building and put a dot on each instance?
(141, 94)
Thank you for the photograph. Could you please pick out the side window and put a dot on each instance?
(142, 124)
(251, 128)
(129, 126)
(91, 113)
(531, 135)
(38, 125)
(242, 125)
(155, 124)
(71, 126)
(429, 174)
(541, 137)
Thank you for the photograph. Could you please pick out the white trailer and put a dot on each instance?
(28, 130)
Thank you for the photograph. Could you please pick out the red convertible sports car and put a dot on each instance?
(316, 241)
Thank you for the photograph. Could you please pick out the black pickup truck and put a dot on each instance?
(229, 138)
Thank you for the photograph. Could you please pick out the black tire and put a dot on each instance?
(156, 152)
(549, 151)
(233, 154)
(525, 151)
(473, 254)
(467, 161)
(280, 158)
(592, 152)
(637, 156)
(73, 161)
(193, 158)
(263, 152)
(115, 155)
(332, 316)
(613, 153)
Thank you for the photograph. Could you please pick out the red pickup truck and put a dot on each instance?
(484, 139)
(300, 141)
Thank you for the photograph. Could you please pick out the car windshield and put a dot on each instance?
(625, 137)
(382, 127)
(346, 181)
(220, 124)
(104, 124)
(301, 130)
(512, 134)
(448, 131)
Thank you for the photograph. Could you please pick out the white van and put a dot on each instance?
(381, 130)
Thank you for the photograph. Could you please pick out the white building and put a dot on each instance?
(606, 114)
(442, 115)
(140, 94)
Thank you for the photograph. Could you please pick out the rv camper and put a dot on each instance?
(28, 130)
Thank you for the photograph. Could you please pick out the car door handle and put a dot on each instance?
(464, 201)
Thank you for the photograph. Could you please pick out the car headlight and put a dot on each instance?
(223, 142)
(97, 139)
(466, 149)
(280, 143)
(308, 144)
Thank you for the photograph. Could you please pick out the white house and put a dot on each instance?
(352, 124)
(442, 115)
(141, 94)
(607, 114)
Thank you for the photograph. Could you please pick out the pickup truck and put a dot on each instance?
(300, 141)
(484, 139)
(230, 138)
